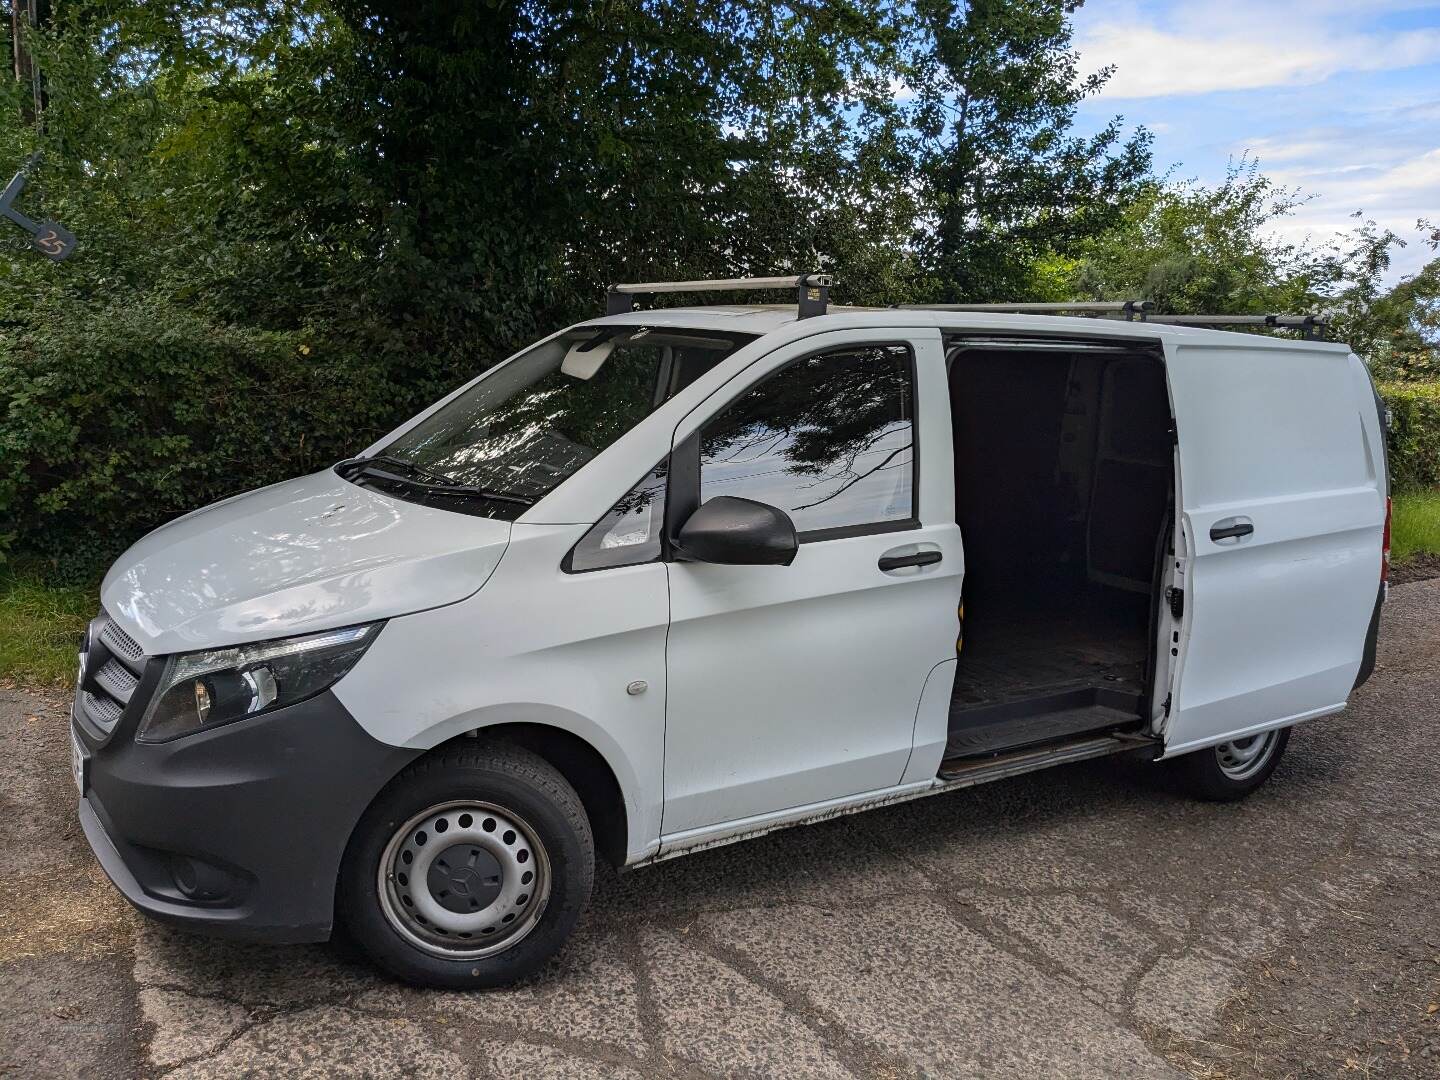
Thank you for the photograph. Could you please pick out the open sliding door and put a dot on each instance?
(1282, 507)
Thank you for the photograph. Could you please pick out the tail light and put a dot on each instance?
(1385, 544)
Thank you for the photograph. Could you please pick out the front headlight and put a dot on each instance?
(216, 686)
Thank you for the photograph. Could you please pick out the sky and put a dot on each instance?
(1339, 99)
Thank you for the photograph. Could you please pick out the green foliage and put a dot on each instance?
(1415, 526)
(299, 221)
(43, 627)
(1414, 433)
(119, 414)
(1398, 330)
(1003, 182)
(1194, 249)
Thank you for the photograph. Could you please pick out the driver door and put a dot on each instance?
(795, 685)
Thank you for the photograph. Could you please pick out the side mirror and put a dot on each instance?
(738, 532)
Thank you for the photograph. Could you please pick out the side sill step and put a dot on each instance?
(966, 772)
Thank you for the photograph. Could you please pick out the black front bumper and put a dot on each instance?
(240, 830)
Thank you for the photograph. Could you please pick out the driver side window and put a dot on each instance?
(828, 439)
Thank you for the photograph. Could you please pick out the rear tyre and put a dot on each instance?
(470, 870)
(1232, 770)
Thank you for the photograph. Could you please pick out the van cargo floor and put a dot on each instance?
(1036, 650)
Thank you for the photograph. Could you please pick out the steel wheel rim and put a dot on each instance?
(451, 903)
(1243, 758)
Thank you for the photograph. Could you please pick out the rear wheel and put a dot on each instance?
(470, 870)
(1232, 770)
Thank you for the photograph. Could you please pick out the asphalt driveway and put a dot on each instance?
(1080, 922)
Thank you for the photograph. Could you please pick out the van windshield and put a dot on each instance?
(515, 435)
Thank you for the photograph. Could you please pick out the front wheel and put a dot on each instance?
(1232, 770)
(470, 870)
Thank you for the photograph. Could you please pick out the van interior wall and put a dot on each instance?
(1063, 475)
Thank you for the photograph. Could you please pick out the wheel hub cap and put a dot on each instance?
(464, 879)
(1243, 758)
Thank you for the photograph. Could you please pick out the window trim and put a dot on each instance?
(682, 501)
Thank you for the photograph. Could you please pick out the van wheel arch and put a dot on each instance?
(583, 767)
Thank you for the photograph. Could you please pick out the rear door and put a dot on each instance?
(794, 685)
(1282, 507)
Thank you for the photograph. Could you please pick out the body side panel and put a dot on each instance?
(536, 645)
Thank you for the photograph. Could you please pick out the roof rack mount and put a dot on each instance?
(812, 291)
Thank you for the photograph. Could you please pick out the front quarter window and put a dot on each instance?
(517, 434)
(630, 533)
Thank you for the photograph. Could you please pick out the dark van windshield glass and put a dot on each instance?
(514, 436)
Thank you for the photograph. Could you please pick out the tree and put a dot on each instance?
(301, 220)
(1192, 249)
(1003, 179)
(1396, 329)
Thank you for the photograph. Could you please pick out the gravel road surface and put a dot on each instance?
(1081, 922)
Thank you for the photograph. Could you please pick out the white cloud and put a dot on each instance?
(1150, 62)
(1244, 77)
(1394, 194)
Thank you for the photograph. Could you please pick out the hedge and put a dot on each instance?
(1414, 442)
(118, 417)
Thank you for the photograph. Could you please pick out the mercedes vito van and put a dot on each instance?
(675, 577)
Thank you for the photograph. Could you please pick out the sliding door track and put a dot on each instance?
(968, 771)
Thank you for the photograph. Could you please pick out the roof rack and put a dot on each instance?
(812, 290)
(1129, 308)
(813, 297)
(1311, 327)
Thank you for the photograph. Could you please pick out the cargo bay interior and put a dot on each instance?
(1064, 483)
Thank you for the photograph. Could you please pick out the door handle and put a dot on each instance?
(1231, 529)
(920, 558)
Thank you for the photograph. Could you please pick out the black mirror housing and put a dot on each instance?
(738, 532)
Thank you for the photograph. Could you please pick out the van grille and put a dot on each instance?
(103, 709)
(118, 683)
(113, 669)
(121, 643)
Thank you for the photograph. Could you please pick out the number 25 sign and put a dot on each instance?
(49, 238)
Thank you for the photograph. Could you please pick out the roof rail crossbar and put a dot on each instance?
(1128, 308)
(1311, 327)
(812, 291)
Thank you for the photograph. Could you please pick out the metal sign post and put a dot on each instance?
(49, 238)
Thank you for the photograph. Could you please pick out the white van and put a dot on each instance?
(672, 578)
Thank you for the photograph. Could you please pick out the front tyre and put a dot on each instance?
(1232, 770)
(470, 870)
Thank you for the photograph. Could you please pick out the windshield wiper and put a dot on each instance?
(370, 467)
(409, 467)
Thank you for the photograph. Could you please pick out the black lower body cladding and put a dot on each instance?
(1372, 640)
(237, 831)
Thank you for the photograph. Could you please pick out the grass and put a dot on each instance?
(1415, 525)
(41, 625)
(40, 629)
